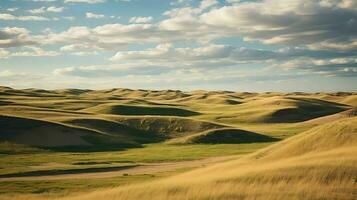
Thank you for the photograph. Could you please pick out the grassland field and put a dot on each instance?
(168, 144)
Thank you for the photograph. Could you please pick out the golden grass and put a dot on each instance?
(322, 166)
(320, 163)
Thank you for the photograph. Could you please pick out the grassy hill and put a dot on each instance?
(58, 136)
(41, 133)
(303, 167)
(224, 136)
(146, 116)
(276, 145)
(117, 109)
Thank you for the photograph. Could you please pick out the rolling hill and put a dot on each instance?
(318, 164)
(117, 109)
(147, 116)
(278, 145)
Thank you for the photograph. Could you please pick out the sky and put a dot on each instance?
(238, 45)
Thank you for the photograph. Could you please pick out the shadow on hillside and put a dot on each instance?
(142, 110)
(66, 171)
(230, 136)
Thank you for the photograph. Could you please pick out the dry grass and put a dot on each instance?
(320, 163)
(323, 167)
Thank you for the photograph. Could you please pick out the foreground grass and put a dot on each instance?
(286, 179)
(30, 160)
(36, 160)
(57, 188)
(318, 164)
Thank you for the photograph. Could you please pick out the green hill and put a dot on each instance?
(117, 109)
(224, 136)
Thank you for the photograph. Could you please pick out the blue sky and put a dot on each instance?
(267, 45)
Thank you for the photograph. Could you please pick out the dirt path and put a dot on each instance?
(142, 168)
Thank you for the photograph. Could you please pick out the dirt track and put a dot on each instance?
(145, 168)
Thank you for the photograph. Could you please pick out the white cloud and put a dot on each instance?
(207, 4)
(55, 9)
(323, 24)
(94, 16)
(84, 53)
(285, 22)
(15, 36)
(184, 11)
(140, 19)
(317, 24)
(4, 53)
(107, 37)
(343, 66)
(80, 49)
(5, 16)
(38, 10)
(111, 70)
(48, 9)
(221, 57)
(165, 77)
(34, 52)
(12, 9)
(27, 52)
(10, 74)
(166, 52)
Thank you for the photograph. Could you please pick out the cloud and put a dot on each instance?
(5, 16)
(85, 1)
(27, 52)
(223, 56)
(313, 24)
(84, 53)
(21, 79)
(37, 10)
(111, 70)
(4, 54)
(82, 37)
(207, 4)
(140, 19)
(34, 52)
(184, 11)
(12, 9)
(166, 77)
(48, 9)
(10, 74)
(90, 15)
(343, 66)
(15, 37)
(318, 24)
(80, 49)
(55, 9)
(109, 36)
(166, 52)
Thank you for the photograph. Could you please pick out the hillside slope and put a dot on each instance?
(40, 133)
(46, 134)
(223, 136)
(118, 109)
(318, 164)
